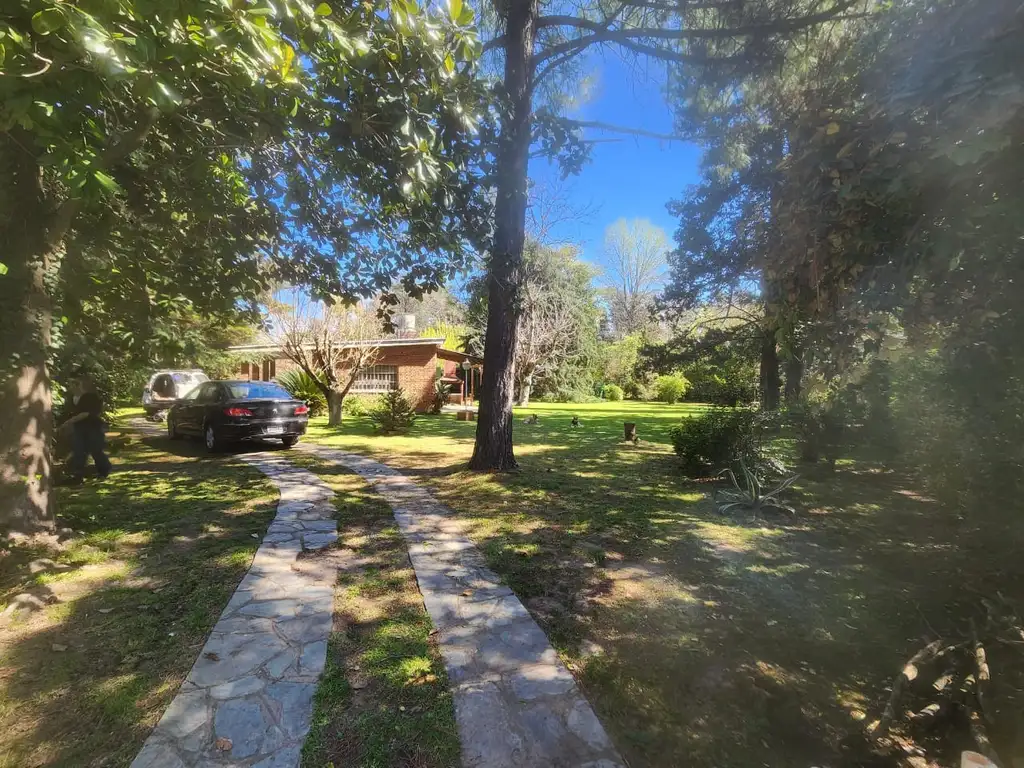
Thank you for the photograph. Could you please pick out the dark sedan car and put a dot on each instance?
(223, 412)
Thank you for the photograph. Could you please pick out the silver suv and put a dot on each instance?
(165, 387)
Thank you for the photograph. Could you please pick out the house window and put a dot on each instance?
(376, 378)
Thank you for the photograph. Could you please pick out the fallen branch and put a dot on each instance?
(980, 735)
(981, 674)
(906, 675)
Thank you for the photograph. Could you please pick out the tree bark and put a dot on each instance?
(794, 375)
(493, 448)
(26, 420)
(770, 381)
(334, 402)
(525, 390)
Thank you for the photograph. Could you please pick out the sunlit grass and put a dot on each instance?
(701, 639)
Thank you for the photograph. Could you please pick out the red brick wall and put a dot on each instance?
(416, 371)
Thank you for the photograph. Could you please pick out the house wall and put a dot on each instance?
(258, 371)
(416, 366)
(416, 371)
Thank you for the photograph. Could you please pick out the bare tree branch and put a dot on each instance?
(494, 42)
(601, 126)
(624, 39)
(628, 37)
(751, 30)
(558, 61)
(635, 256)
(332, 343)
(549, 206)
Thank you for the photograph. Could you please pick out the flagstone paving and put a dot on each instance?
(248, 700)
(249, 697)
(515, 703)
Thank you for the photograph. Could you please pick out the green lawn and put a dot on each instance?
(158, 549)
(703, 640)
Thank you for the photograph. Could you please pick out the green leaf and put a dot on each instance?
(3, 268)
(287, 59)
(3, 54)
(455, 9)
(466, 17)
(323, 10)
(449, 63)
(48, 20)
(108, 183)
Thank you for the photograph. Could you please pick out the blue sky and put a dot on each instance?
(633, 177)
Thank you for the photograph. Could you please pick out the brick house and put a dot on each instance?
(410, 364)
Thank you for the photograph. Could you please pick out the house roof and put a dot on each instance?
(458, 357)
(392, 342)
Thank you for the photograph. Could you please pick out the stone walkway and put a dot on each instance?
(515, 703)
(249, 698)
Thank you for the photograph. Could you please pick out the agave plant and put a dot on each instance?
(754, 496)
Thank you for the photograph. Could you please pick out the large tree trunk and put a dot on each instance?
(770, 381)
(794, 375)
(334, 402)
(26, 420)
(525, 390)
(493, 449)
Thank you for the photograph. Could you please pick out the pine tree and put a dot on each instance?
(394, 413)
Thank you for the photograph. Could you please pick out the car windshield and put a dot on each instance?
(189, 378)
(253, 390)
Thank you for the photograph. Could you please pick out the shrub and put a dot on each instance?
(671, 388)
(718, 385)
(302, 386)
(441, 391)
(612, 392)
(640, 388)
(394, 413)
(357, 405)
(719, 439)
(820, 427)
(568, 396)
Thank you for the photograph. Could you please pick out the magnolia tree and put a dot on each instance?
(331, 342)
(157, 157)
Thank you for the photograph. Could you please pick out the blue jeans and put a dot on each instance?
(88, 440)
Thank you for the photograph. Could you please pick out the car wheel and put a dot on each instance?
(172, 428)
(213, 443)
(288, 442)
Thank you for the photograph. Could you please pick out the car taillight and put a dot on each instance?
(301, 410)
(237, 412)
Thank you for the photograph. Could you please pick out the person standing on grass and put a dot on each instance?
(88, 437)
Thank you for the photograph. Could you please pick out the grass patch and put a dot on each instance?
(700, 638)
(383, 701)
(129, 600)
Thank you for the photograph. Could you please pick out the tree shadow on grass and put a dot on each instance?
(790, 634)
(158, 550)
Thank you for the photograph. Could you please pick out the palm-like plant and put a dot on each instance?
(753, 497)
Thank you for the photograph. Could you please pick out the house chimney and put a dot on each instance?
(406, 325)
